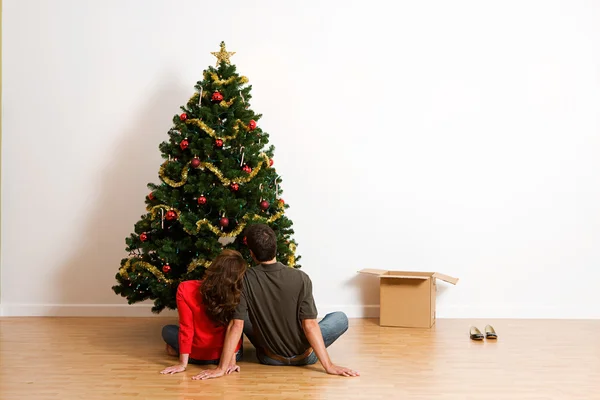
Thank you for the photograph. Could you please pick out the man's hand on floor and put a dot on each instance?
(336, 370)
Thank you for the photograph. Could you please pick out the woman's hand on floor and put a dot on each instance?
(232, 368)
(209, 374)
(173, 370)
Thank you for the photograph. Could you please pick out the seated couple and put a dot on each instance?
(271, 303)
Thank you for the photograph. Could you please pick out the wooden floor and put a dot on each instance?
(102, 358)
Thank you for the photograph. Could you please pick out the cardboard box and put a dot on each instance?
(407, 298)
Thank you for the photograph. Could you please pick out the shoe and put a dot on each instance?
(490, 333)
(475, 334)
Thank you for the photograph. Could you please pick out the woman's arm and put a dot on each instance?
(232, 337)
(183, 361)
(186, 333)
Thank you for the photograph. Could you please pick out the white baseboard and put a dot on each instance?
(352, 311)
(371, 311)
(140, 310)
(481, 311)
(512, 311)
(81, 310)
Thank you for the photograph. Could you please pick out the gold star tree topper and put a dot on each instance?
(222, 55)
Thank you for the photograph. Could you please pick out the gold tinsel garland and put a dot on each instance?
(222, 82)
(198, 263)
(226, 181)
(171, 182)
(223, 103)
(194, 98)
(154, 210)
(207, 129)
(211, 132)
(136, 263)
(237, 125)
(292, 257)
(211, 167)
(227, 104)
(240, 227)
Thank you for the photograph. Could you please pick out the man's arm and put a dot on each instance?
(308, 314)
(233, 367)
(232, 337)
(315, 338)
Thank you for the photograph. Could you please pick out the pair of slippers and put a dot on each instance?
(476, 334)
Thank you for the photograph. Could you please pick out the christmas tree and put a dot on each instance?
(217, 178)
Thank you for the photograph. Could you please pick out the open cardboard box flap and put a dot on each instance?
(382, 273)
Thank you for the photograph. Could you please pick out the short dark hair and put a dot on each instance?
(262, 241)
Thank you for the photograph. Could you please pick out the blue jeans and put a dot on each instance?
(170, 335)
(332, 327)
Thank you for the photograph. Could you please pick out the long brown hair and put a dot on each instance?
(222, 286)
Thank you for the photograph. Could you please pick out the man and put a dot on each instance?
(278, 315)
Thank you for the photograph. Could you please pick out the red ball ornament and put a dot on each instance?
(219, 143)
(247, 169)
(245, 241)
(224, 222)
(183, 117)
(166, 268)
(143, 237)
(271, 162)
(184, 144)
(217, 97)
(151, 196)
(171, 215)
(235, 187)
(202, 200)
(281, 201)
(264, 205)
(195, 163)
(252, 125)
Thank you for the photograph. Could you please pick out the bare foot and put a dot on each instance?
(171, 351)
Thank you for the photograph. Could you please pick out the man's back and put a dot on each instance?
(277, 298)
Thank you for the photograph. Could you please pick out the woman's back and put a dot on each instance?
(205, 310)
(199, 336)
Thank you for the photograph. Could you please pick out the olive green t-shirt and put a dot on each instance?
(277, 298)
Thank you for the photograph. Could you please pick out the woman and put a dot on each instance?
(205, 308)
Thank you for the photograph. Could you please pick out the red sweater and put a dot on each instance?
(199, 336)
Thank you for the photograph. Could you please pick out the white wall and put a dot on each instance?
(455, 136)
